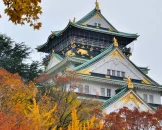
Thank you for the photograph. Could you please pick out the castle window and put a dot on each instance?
(123, 74)
(80, 89)
(102, 91)
(145, 97)
(108, 92)
(108, 72)
(86, 89)
(97, 24)
(151, 98)
(118, 73)
(113, 72)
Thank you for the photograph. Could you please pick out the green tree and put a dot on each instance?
(13, 56)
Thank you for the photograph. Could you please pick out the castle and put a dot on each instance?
(98, 53)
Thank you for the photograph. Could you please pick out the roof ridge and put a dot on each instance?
(115, 97)
(146, 76)
(143, 73)
(57, 56)
(86, 17)
(104, 31)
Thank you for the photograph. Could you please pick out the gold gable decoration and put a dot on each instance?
(115, 42)
(110, 29)
(97, 5)
(108, 77)
(84, 24)
(85, 71)
(145, 81)
(129, 82)
(97, 16)
(116, 54)
(131, 97)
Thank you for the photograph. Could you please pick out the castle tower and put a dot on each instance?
(97, 51)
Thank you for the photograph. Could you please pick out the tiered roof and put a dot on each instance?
(81, 24)
(124, 91)
(107, 51)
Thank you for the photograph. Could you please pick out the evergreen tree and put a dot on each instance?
(13, 56)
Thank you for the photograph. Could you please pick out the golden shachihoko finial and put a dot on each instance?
(115, 42)
(74, 20)
(97, 5)
(53, 33)
(129, 82)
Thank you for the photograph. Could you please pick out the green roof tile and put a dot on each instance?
(105, 31)
(89, 15)
(89, 62)
(58, 56)
(115, 98)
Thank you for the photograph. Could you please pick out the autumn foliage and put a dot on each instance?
(24, 11)
(23, 106)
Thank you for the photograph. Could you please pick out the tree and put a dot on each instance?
(19, 108)
(24, 107)
(23, 11)
(13, 56)
(126, 119)
(49, 108)
(15, 98)
(60, 89)
(87, 125)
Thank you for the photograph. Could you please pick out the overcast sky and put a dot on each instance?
(132, 16)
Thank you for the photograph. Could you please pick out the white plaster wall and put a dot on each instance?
(117, 64)
(119, 104)
(94, 20)
(53, 61)
(156, 95)
(95, 87)
(69, 65)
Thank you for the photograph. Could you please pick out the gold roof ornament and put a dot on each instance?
(74, 20)
(110, 29)
(73, 45)
(85, 71)
(84, 24)
(115, 42)
(70, 53)
(91, 49)
(102, 46)
(97, 5)
(53, 34)
(82, 52)
(145, 81)
(129, 82)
